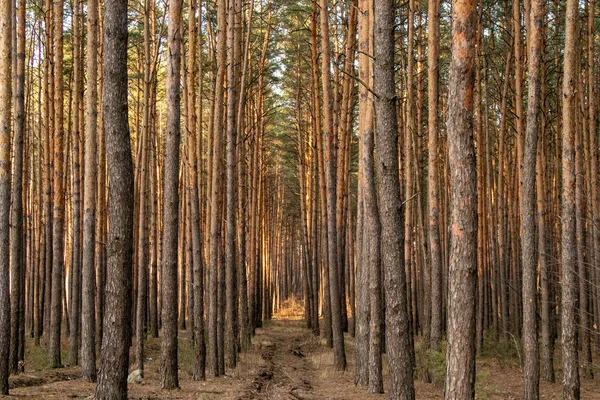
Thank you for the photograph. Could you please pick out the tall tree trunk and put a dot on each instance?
(58, 240)
(568, 241)
(88, 328)
(365, 127)
(114, 363)
(462, 275)
(195, 158)
(169, 378)
(339, 353)
(215, 195)
(5, 122)
(397, 320)
(75, 320)
(531, 367)
(16, 226)
(433, 26)
(231, 303)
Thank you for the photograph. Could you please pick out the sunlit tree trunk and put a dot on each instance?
(462, 275)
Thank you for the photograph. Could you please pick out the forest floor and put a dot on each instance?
(285, 362)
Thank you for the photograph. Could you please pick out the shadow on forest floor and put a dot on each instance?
(285, 362)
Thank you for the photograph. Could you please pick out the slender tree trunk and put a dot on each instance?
(215, 201)
(75, 320)
(16, 226)
(231, 303)
(568, 241)
(114, 363)
(397, 321)
(195, 158)
(531, 368)
(169, 378)
(330, 181)
(365, 128)
(462, 275)
(88, 332)
(433, 26)
(59, 195)
(5, 122)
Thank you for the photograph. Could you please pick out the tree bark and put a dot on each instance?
(462, 278)
(329, 164)
(75, 320)
(16, 226)
(58, 240)
(88, 328)
(531, 367)
(231, 303)
(215, 187)
(5, 122)
(169, 378)
(433, 26)
(398, 340)
(114, 363)
(568, 240)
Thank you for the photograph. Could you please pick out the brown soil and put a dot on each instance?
(285, 362)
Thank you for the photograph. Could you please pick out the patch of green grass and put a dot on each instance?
(483, 388)
(36, 357)
(433, 363)
(507, 353)
(185, 355)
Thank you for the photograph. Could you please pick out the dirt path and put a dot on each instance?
(285, 362)
(283, 371)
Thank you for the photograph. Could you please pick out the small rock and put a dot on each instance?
(135, 377)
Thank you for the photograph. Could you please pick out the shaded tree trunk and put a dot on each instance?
(88, 328)
(5, 122)
(568, 241)
(16, 226)
(58, 240)
(462, 275)
(169, 378)
(397, 321)
(433, 26)
(531, 368)
(114, 363)
(330, 182)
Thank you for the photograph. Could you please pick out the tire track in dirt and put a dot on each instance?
(283, 372)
